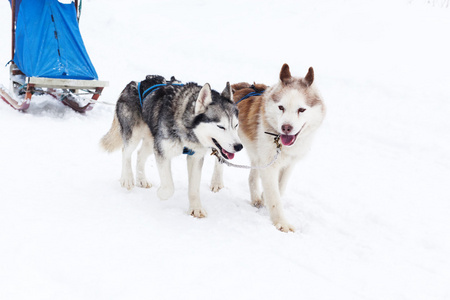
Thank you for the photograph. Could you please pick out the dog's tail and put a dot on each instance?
(112, 140)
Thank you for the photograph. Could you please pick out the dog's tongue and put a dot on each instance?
(228, 154)
(287, 140)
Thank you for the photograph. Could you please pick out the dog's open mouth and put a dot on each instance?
(224, 152)
(289, 139)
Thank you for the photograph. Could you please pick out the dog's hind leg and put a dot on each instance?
(126, 180)
(194, 164)
(217, 177)
(143, 153)
(166, 189)
(283, 178)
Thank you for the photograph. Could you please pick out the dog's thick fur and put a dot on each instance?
(172, 118)
(292, 109)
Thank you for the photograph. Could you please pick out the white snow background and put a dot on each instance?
(371, 202)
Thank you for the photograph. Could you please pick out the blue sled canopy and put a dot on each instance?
(48, 41)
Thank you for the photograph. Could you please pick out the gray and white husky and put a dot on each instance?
(171, 119)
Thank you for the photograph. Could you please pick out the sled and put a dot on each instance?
(48, 56)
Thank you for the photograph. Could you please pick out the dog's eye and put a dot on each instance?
(236, 126)
(281, 107)
(301, 109)
(221, 127)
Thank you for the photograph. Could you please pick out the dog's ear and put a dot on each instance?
(285, 74)
(203, 100)
(227, 92)
(309, 78)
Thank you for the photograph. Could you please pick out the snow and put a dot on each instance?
(371, 202)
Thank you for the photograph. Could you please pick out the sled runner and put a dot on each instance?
(48, 55)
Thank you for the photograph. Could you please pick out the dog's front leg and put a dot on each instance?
(255, 190)
(217, 177)
(166, 189)
(194, 164)
(272, 199)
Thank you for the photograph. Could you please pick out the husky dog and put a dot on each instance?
(292, 109)
(170, 119)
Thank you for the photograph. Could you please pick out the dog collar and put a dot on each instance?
(276, 139)
(188, 151)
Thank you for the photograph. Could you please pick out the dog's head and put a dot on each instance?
(216, 121)
(293, 106)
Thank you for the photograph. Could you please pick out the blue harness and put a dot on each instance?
(255, 93)
(151, 89)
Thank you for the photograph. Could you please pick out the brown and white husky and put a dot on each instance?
(291, 109)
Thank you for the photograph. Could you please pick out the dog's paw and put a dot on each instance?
(198, 212)
(258, 203)
(165, 193)
(216, 186)
(143, 183)
(127, 183)
(284, 226)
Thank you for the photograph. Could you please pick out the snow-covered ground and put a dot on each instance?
(371, 202)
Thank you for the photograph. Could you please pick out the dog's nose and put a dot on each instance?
(286, 128)
(238, 147)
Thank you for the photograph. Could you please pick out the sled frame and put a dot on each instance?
(94, 87)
